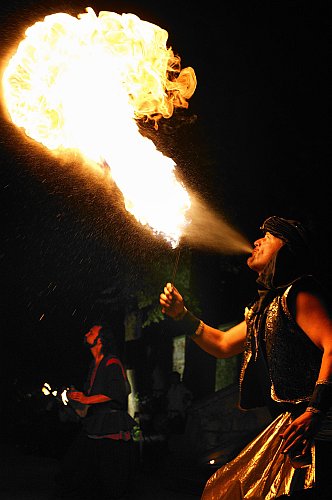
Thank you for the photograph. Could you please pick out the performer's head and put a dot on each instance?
(283, 253)
(104, 336)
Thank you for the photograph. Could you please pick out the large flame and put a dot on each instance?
(82, 83)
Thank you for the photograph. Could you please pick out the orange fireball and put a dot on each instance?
(82, 83)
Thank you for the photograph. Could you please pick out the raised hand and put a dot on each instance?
(171, 302)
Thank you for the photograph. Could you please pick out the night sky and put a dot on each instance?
(254, 142)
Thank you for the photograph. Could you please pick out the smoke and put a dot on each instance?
(209, 230)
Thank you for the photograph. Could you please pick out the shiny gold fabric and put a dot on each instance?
(260, 471)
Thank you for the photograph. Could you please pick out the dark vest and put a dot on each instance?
(284, 364)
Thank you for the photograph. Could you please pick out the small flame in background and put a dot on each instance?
(81, 84)
(48, 391)
(64, 397)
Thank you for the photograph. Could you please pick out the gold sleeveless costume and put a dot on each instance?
(260, 471)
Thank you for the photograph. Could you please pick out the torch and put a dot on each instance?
(176, 264)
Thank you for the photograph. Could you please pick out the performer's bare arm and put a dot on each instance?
(215, 342)
(314, 318)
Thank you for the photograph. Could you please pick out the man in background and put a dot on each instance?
(100, 462)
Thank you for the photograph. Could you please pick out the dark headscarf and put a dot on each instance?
(292, 232)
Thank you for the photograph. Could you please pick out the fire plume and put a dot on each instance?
(82, 83)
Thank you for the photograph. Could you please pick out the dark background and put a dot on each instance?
(254, 142)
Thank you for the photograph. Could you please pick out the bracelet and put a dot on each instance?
(199, 331)
(311, 409)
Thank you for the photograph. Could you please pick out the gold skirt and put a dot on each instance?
(260, 471)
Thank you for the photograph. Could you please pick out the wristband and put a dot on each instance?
(321, 399)
(189, 323)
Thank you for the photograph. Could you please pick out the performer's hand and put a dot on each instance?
(171, 301)
(77, 396)
(298, 435)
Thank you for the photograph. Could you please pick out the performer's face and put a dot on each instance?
(91, 336)
(263, 251)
